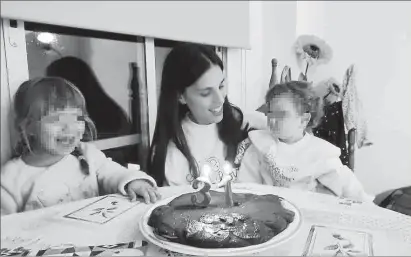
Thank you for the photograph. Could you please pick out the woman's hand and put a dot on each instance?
(141, 187)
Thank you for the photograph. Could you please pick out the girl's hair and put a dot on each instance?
(304, 97)
(184, 65)
(35, 98)
(113, 120)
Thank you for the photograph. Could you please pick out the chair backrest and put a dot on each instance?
(286, 75)
(351, 148)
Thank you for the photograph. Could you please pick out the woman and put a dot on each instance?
(196, 124)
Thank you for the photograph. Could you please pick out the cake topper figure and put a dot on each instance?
(204, 181)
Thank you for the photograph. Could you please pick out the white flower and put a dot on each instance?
(312, 50)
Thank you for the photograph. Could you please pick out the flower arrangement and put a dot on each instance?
(330, 90)
(312, 51)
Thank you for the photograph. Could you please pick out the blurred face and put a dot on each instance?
(59, 132)
(206, 96)
(284, 120)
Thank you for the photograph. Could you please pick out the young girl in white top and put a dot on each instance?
(289, 155)
(54, 165)
(196, 124)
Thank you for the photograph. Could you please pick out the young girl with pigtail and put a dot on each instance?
(288, 155)
(53, 162)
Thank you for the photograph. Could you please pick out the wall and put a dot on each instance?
(379, 43)
(279, 28)
(272, 28)
(175, 20)
(376, 36)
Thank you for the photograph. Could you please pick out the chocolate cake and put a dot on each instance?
(254, 219)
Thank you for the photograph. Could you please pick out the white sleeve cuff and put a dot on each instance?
(134, 175)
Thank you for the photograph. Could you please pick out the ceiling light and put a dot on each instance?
(46, 37)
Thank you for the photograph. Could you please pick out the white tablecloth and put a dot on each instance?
(391, 231)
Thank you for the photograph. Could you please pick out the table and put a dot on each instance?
(391, 231)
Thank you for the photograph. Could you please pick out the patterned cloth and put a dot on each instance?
(121, 249)
(242, 147)
(352, 108)
(352, 115)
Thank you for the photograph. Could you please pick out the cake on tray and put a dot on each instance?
(252, 220)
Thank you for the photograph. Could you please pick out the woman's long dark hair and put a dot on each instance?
(184, 65)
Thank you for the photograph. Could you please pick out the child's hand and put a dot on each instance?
(141, 187)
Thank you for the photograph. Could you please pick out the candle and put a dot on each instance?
(205, 173)
(228, 177)
(204, 181)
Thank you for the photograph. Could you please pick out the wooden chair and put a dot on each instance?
(351, 147)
